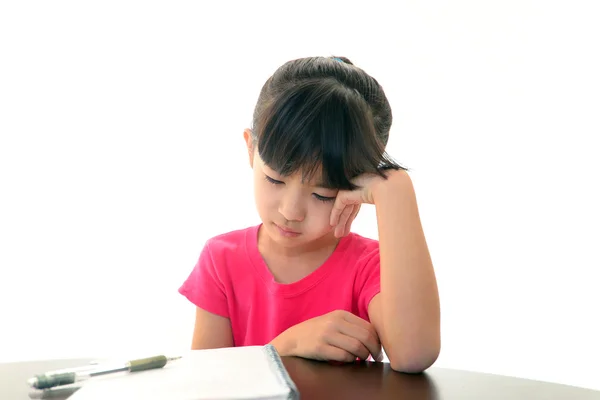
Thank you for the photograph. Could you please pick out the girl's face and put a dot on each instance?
(294, 213)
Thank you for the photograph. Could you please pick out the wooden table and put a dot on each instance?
(365, 381)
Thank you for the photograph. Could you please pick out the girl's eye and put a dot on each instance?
(323, 198)
(273, 181)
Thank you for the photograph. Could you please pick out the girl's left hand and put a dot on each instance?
(348, 202)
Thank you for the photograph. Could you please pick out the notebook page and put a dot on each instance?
(230, 373)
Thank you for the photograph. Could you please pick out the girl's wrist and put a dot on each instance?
(283, 344)
(396, 182)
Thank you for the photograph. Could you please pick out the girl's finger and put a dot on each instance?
(351, 346)
(335, 354)
(351, 219)
(338, 208)
(365, 336)
(341, 226)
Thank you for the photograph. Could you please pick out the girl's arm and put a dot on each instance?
(211, 331)
(406, 313)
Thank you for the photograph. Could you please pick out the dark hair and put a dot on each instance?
(323, 112)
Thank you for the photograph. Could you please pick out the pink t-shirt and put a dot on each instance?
(231, 279)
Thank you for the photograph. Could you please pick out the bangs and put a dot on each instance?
(320, 125)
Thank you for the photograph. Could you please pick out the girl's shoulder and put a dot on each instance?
(360, 249)
(237, 236)
(230, 243)
(362, 244)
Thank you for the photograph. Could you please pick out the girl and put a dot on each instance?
(301, 280)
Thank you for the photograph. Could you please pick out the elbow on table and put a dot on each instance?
(414, 362)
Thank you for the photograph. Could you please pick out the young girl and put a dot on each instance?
(301, 280)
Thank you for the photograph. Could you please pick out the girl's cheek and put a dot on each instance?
(320, 215)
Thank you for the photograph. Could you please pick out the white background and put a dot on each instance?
(121, 152)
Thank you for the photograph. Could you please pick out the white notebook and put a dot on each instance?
(252, 372)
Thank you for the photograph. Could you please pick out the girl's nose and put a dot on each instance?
(291, 208)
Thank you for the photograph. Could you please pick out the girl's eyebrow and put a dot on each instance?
(267, 170)
(321, 185)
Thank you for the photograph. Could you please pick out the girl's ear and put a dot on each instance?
(250, 145)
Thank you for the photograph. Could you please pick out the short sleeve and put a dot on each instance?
(368, 282)
(204, 286)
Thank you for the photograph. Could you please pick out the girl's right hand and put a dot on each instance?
(336, 336)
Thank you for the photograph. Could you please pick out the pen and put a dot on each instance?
(69, 376)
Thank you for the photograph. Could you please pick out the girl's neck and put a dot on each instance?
(290, 264)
